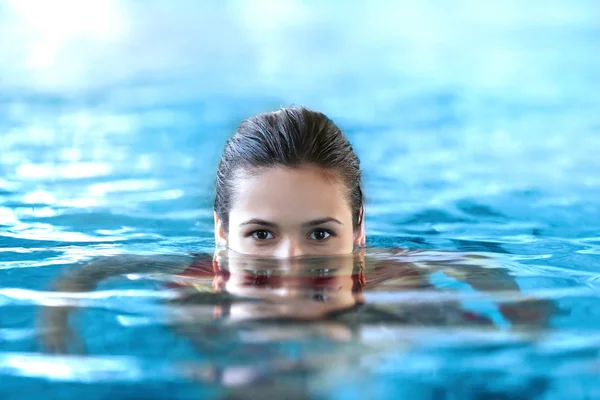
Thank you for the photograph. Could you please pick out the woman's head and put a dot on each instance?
(289, 184)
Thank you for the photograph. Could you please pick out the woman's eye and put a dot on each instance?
(262, 235)
(319, 235)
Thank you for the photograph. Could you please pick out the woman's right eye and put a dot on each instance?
(262, 235)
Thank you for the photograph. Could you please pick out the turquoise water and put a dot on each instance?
(478, 129)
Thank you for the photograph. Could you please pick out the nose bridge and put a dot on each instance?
(290, 247)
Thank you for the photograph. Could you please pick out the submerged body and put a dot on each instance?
(343, 293)
(291, 265)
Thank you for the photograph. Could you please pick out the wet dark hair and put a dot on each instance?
(291, 137)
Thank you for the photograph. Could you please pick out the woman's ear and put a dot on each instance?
(360, 235)
(220, 235)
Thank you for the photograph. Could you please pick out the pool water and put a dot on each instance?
(478, 130)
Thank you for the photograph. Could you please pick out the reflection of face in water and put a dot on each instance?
(297, 288)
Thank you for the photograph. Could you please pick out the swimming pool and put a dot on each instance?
(478, 130)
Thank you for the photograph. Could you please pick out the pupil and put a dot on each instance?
(262, 234)
(320, 235)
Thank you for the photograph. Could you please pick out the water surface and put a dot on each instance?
(478, 132)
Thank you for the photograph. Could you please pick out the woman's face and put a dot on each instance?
(290, 212)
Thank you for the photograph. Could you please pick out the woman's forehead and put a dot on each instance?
(301, 193)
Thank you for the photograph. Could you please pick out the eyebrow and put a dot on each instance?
(315, 222)
(258, 221)
(321, 221)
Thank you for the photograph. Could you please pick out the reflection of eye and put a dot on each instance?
(320, 271)
(262, 235)
(320, 297)
(261, 272)
(320, 235)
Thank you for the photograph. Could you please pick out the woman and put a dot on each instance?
(288, 187)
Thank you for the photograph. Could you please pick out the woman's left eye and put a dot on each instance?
(262, 235)
(320, 235)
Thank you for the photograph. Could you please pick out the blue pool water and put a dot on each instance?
(478, 129)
